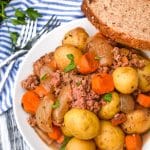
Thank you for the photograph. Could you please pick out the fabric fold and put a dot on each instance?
(65, 10)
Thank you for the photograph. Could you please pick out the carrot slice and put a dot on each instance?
(118, 119)
(60, 139)
(30, 102)
(40, 90)
(55, 134)
(102, 83)
(144, 100)
(88, 63)
(133, 142)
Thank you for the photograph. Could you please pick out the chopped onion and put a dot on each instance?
(126, 103)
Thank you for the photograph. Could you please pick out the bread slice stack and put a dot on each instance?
(124, 21)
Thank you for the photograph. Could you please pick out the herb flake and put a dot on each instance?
(98, 57)
(107, 97)
(44, 77)
(72, 64)
(65, 142)
(78, 83)
(56, 104)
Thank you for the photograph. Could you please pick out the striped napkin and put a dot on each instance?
(65, 10)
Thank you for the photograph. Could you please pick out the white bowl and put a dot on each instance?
(46, 44)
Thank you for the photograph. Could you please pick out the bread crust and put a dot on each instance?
(119, 37)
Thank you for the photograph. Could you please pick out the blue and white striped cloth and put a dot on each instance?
(65, 10)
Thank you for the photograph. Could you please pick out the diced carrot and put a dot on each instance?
(30, 102)
(55, 134)
(40, 90)
(133, 142)
(88, 63)
(118, 119)
(102, 83)
(144, 100)
(60, 139)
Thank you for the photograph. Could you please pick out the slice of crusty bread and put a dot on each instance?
(125, 21)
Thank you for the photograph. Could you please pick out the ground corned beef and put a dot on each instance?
(82, 94)
(31, 82)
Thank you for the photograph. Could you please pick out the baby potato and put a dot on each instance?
(138, 121)
(125, 79)
(144, 78)
(65, 131)
(110, 137)
(81, 123)
(77, 144)
(76, 37)
(61, 53)
(111, 108)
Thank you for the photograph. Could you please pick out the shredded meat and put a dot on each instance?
(44, 60)
(124, 57)
(32, 121)
(83, 96)
(31, 82)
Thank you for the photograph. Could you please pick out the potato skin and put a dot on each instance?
(61, 52)
(76, 37)
(65, 131)
(77, 144)
(125, 79)
(81, 123)
(111, 108)
(138, 121)
(110, 137)
(144, 78)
